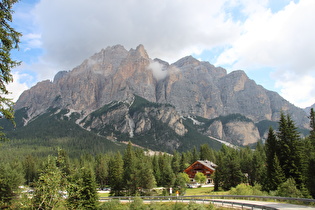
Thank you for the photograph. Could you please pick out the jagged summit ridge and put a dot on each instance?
(193, 87)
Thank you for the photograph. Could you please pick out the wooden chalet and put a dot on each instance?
(204, 166)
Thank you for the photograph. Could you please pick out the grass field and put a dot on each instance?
(189, 192)
(204, 191)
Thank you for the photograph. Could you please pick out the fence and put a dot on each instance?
(213, 199)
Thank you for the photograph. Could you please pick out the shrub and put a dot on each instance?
(243, 189)
(289, 189)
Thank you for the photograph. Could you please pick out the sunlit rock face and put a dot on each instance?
(192, 87)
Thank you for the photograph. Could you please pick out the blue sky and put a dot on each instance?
(271, 40)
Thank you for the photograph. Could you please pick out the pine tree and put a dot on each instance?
(9, 39)
(10, 179)
(48, 187)
(290, 149)
(206, 153)
(176, 162)
(228, 173)
(101, 170)
(312, 126)
(81, 189)
(167, 175)
(130, 170)
(259, 165)
(88, 193)
(30, 169)
(115, 174)
(156, 170)
(146, 179)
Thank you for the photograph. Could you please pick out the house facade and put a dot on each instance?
(204, 166)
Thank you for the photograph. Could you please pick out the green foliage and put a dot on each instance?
(228, 173)
(115, 175)
(44, 135)
(49, 187)
(245, 189)
(200, 178)
(180, 184)
(9, 40)
(113, 204)
(10, 178)
(264, 125)
(289, 189)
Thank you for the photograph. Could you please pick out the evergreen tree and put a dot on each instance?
(10, 39)
(228, 173)
(63, 162)
(195, 155)
(10, 179)
(156, 169)
(312, 126)
(290, 149)
(167, 175)
(115, 174)
(130, 170)
(101, 170)
(246, 162)
(30, 169)
(146, 179)
(309, 156)
(176, 162)
(274, 173)
(48, 188)
(206, 153)
(81, 189)
(88, 193)
(259, 165)
(184, 161)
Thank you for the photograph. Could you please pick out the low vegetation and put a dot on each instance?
(60, 180)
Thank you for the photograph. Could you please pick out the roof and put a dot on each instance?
(208, 164)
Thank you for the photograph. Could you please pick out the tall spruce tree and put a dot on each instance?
(176, 162)
(115, 174)
(130, 170)
(9, 39)
(312, 126)
(206, 153)
(259, 165)
(310, 156)
(274, 173)
(290, 149)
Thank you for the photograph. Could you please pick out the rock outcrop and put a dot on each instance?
(194, 88)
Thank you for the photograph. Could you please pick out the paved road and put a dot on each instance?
(280, 206)
(236, 203)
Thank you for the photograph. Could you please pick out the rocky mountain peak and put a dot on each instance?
(188, 60)
(192, 87)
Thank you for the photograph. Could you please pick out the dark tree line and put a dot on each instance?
(285, 159)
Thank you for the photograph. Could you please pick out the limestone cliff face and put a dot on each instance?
(194, 88)
(118, 117)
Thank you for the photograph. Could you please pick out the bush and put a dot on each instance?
(114, 204)
(289, 189)
(243, 189)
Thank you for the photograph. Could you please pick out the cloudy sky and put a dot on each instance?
(273, 41)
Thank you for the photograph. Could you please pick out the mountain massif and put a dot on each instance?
(127, 96)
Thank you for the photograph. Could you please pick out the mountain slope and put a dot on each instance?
(110, 82)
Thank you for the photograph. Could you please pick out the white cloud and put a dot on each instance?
(31, 40)
(298, 89)
(283, 41)
(70, 31)
(158, 71)
(73, 30)
(17, 87)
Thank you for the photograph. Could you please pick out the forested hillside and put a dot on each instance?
(286, 161)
